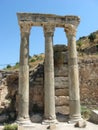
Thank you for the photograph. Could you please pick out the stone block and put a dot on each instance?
(60, 48)
(62, 109)
(61, 100)
(81, 124)
(36, 118)
(94, 116)
(61, 71)
(62, 92)
(61, 82)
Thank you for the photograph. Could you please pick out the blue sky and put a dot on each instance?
(10, 33)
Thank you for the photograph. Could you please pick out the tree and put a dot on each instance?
(8, 66)
(92, 36)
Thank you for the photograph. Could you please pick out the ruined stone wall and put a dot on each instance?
(61, 79)
(88, 72)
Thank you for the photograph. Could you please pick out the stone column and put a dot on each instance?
(23, 106)
(49, 90)
(74, 95)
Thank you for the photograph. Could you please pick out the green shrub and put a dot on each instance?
(39, 58)
(85, 112)
(82, 37)
(8, 66)
(79, 43)
(10, 127)
(92, 36)
(32, 60)
(16, 65)
(36, 56)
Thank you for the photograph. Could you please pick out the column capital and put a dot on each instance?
(25, 28)
(49, 29)
(70, 30)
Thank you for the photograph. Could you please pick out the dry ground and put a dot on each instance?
(59, 126)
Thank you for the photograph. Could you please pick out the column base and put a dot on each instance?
(48, 122)
(75, 119)
(24, 122)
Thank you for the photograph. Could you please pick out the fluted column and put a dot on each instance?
(49, 90)
(23, 106)
(74, 94)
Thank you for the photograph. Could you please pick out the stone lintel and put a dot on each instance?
(36, 19)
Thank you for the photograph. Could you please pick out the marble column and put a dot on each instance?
(49, 90)
(23, 106)
(74, 94)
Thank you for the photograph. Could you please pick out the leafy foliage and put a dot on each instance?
(32, 60)
(85, 112)
(8, 66)
(92, 36)
(79, 43)
(10, 127)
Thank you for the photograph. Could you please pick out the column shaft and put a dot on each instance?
(23, 106)
(49, 106)
(74, 94)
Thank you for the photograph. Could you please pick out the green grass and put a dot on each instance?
(85, 112)
(10, 127)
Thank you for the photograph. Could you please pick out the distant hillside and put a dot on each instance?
(88, 44)
(33, 62)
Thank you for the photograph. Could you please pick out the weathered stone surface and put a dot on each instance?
(49, 92)
(59, 58)
(81, 124)
(61, 82)
(35, 19)
(36, 118)
(61, 71)
(62, 92)
(60, 48)
(94, 116)
(61, 100)
(62, 109)
(36, 94)
(88, 71)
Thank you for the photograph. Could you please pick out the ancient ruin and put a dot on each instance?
(49, 22)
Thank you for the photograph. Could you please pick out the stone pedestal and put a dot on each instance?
(49, 106)
(74, 95)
